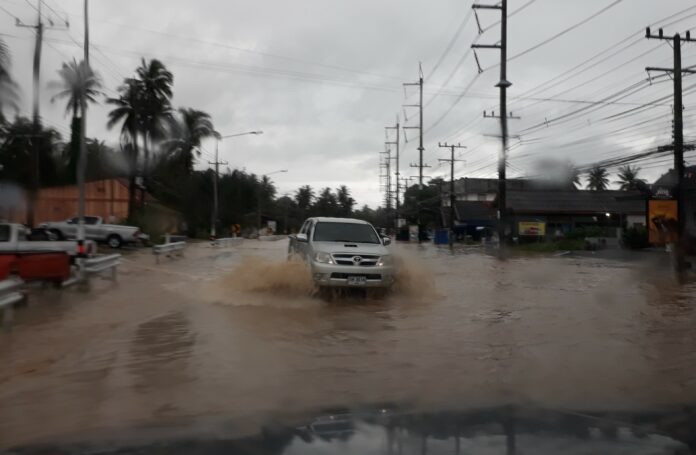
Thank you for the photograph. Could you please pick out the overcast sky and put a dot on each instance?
(322, 78)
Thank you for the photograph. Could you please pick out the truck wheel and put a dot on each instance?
(114, 241)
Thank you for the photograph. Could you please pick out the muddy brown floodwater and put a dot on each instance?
(235, 333)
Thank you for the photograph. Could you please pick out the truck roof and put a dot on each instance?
(326, 219)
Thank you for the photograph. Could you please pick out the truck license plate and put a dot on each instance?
(356, 280)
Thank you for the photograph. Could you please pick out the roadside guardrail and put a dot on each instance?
(168, 249)
(10, 294)
(227, 242)
(103, 263)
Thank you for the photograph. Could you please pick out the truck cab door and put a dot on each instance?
(301, 247)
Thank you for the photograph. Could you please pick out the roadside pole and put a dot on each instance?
(677, 71)
(82, 159)
(452, 195)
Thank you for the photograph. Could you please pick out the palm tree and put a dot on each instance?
(128, 110)
(597, 179)
(74, 79)
(9, 92)
(304, 198)
(190, 128)
(572, 176)
(156, 92)
(344, 200)
(628, 178)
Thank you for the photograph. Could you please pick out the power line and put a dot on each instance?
(566, 30)
(452, 42)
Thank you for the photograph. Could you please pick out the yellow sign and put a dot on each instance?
(662, 221)
(532, 228)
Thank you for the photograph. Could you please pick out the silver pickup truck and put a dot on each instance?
(114, 235)
(344, 252)
(16, 238)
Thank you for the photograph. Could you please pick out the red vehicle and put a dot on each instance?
(33, 260)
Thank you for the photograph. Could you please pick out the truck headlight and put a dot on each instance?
(385, 260)
(324, 258)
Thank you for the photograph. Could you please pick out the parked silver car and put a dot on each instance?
(344, 252)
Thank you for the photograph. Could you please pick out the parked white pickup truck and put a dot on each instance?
(114, 235)
(15, 238)
(344, 252)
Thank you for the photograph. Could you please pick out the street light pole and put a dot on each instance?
(217, 163)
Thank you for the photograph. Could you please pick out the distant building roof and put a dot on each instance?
(468, 185)
(577, 202)
(468, 211)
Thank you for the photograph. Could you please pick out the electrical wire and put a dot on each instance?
(564, 31)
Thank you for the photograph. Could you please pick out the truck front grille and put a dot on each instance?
(365, 260)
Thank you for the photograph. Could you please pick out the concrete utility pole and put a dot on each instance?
(420, 165)
(35, 179)
(396, 172)
(677, 71)
(82, 158)
(385, 167)
(503, 85)
(453, 196)
(39, 27)
(214, 215)
(217, 163)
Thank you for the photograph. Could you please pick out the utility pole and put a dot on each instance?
(35, 180)
(453, 197)
(420, 164)
(677, 71)
(396, 173)
(82, 158)
(39, 27)
(216, 163)
(503, 85)
(385, 167)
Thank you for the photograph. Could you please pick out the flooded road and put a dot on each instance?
(235, 333)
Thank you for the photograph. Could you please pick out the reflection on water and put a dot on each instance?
(245, 337)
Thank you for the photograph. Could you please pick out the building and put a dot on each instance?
(664, 189)
(539, 208)
(561, 212)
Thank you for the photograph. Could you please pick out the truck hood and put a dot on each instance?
(360, 248)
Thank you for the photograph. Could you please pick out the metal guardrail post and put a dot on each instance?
(10, 294)
(175, 248)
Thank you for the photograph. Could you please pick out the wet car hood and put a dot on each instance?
(385, 430)
(356, 248)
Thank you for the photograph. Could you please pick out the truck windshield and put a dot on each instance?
(345, 232)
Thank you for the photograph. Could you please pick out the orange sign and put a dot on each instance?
(662, 221)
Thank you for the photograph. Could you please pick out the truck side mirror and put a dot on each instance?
(386, 241)
(301, 238)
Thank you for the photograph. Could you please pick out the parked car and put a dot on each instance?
(344, 252)
(114, 235)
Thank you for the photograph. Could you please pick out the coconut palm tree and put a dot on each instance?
(190, 127)
(597, 179)
(74, 79)
(156, 92)
(628, 178)
(9, 91)
(128, 111)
